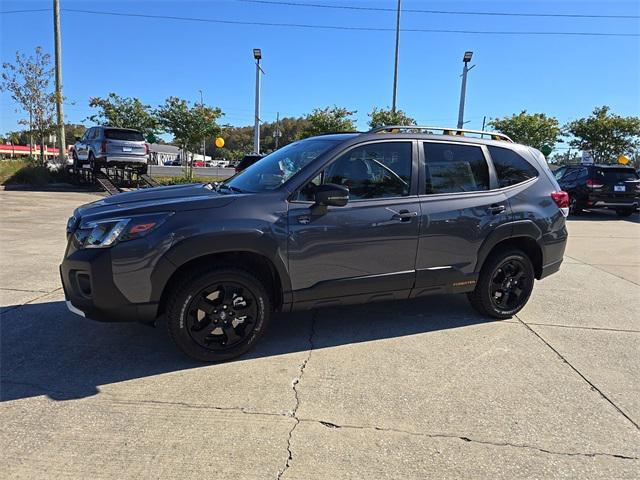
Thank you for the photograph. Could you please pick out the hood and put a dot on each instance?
(157, 199)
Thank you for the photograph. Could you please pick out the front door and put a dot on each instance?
(367, 247)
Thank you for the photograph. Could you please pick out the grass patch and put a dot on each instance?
(183, 180)
(29, 172)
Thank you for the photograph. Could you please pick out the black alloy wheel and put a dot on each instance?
(509, 284)
(504, 285)
(218, 314)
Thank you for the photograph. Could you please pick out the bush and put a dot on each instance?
(185, 180)
(29, 172)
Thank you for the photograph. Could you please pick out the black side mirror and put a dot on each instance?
(330, 194)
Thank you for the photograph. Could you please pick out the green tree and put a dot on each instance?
(189, 125)
(607, 135)
(535, 130)
(328, 120)
(382, 117)
(28, 82)
(124, 112)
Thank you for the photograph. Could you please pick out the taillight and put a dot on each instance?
(594, 184)
(562, 201)
(103, 146)
(146, 148)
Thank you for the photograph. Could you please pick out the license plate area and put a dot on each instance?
(126, 149)
(619, 188)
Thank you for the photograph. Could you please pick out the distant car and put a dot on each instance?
(198, 163)
(111, 147)
(247, 161)
(600, 186)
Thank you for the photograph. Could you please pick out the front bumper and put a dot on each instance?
(90, 291)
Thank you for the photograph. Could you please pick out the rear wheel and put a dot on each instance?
(624, 212)
(93, 164)
(505, 284)
(574, 208)
(218, 315)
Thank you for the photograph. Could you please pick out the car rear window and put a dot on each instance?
(511, 168)
(120, 134)
(616, 174)
(455, 168)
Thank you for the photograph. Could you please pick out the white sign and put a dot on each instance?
(587, 157)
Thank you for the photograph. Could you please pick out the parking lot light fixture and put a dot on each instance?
(463, 91)
(467, 57)
(257, 53)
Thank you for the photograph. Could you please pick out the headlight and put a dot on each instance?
(105, 233)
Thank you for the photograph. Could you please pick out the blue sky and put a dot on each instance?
(563, 76)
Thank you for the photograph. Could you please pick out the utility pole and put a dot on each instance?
(59, 110)
(203, 139)
(463, 91)
(257, 54)
(395, 68)
(277, 132)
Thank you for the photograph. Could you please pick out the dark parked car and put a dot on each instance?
(246, 162)
(331, 220)
(111, 147)
(600, 186)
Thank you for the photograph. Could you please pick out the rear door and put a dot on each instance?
(83, 145)
(368, 247)
(459, 210)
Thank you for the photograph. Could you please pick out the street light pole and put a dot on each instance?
(463, 91)
(58, 58)
(203, 139)
(257, 54)
(395, 68)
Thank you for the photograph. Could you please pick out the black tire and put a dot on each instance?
(143, 170)
(76, 160)
(211, 337)
(625, 212)
(485, 297)
(574, 206)
(93, 164)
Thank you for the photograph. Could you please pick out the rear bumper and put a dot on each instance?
(90, 291)
(613, 201)
(137, 159)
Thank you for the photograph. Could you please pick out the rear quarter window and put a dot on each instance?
(127, 135)
(510, 167)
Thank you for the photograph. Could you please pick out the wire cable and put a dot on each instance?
(340, 27)
(437, 12)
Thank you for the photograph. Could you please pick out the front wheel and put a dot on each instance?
(505, 284)
(218, 315)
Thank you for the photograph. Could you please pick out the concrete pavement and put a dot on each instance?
(421, 389)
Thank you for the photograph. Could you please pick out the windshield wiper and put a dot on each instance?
(229, 187)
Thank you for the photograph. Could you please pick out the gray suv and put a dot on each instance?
(393, 214)
(111, 147)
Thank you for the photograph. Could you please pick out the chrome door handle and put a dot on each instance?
(404, 215)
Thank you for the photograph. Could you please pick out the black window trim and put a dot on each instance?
(493, 179)
(413, 186)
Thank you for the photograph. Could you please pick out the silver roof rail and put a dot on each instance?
(444, 130)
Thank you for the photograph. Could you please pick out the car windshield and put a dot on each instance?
(276, 168)
(118, 134)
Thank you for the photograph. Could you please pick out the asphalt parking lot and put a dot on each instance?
(421, 389)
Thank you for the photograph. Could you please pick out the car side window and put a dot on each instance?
(375, 170)
(87, 135)
(510, 167)
(570, 176)
(454, 168)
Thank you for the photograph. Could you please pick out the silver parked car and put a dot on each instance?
(111, 147)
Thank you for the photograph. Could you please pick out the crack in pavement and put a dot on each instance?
(595, 265)
(593, 387)
(5, 310)
(116, 400)
(580, 327)
(294, 386)
(465, 439)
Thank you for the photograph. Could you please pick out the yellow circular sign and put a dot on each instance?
(219, 142)
(623, 160)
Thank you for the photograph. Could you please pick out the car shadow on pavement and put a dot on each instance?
(45, 350)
